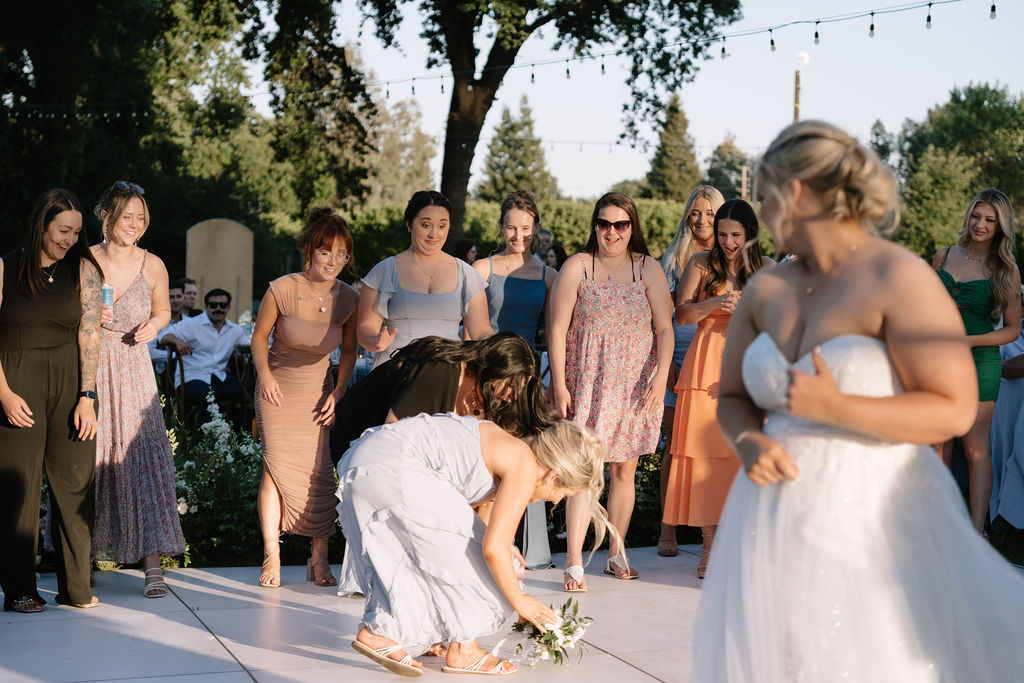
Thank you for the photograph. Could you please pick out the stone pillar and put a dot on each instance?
(218, 253)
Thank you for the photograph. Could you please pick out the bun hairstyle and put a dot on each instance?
(1001, 260)
(849, 179)
(576, 455)
(323, 228)
(423, 199)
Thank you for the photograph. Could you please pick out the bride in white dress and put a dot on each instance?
(845, 552)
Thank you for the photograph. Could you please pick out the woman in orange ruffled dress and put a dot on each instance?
(703, 465)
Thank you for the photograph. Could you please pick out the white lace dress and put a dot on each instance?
(865, 568)
(406, 491)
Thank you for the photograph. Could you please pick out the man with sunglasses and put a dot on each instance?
(206, 343)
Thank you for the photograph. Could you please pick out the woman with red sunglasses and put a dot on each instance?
(610, 349)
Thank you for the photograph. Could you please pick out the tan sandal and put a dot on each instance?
(318, 569)
(499, 669)
(271, 568)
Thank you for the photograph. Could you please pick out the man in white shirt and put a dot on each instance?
(206, 343)
(176, 294)
(544, 241)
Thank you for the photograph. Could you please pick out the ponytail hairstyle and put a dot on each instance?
(848, 178)
(47, 206)
(743, 213)
(1000, 261)
(683, 246)
(576, 455)
(323, 228)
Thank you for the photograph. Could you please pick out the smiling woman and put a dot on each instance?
(422, 291)
(49, 328)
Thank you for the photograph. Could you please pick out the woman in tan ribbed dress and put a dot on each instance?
(310, 314)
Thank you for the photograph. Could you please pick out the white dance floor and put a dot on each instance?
(217, 625)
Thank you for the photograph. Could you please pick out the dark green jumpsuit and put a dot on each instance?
(39, 356)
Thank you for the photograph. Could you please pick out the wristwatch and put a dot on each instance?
(87, 394)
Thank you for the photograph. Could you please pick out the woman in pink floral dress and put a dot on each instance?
(136, 508)
(610, 347)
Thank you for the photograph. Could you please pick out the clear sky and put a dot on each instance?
(851, 80)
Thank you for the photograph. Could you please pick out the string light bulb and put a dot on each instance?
(414, 87)
(817, 39)
(567, 74)
(928, 21)
(871, 30)
(533, 78)
(723, 48)
(387, 91)
(602, 65)
(992, 11)
(771, 34)
(442, 86)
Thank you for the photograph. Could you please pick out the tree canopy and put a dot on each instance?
(674, 171)
(726, 169)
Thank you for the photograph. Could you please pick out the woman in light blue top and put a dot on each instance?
(517, 285)
(422, 291)
(695, 233)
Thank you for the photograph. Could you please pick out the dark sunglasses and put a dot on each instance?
(218, 304)
(620, 226)
(125, 186)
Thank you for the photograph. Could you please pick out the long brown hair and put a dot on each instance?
(1000, 261)
(47, 206)
(637, 244)
(743, 213)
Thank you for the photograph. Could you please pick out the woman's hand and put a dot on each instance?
(107, 315)
(728, 301)
(145, 332)
(811, 396)
(325, 413)
(16, 410)
(561, 401)
(654, 396)
(85, 418)
(763, 459)
(384, 338)
(267, 389)
(536, 612)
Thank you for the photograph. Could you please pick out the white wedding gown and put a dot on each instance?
(865, 568)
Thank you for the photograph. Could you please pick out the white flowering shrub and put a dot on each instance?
(218, 470)
(555, 643)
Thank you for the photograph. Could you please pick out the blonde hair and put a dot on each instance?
(683, 246)
(1000, 261)
(576, 455)
(849, 179)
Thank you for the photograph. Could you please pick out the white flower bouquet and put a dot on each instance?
(555, 643)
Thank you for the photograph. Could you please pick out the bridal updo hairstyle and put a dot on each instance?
(323, 228)
(849, 179)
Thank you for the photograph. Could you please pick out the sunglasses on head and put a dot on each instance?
(620, 226)
(218, 304)
(125, 186)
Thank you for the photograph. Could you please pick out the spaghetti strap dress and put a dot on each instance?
(703, 464)
(296, 450)
(516, 304)
(610, 357)
(974, 300)
(136, 503)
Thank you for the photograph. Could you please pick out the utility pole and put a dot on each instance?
(801, 59)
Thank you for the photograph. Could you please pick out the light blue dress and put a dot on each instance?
(415, 315)
(1007, 445)
(683, 335)
(415, 543)
(516, 304)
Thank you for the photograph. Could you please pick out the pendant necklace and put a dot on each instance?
(432, 273)
(49, 276)
(617, 268)
(323, 308)
(809, 290)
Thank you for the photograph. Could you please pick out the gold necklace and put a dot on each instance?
(967, 255)
(809, 290)
(617, 268)
(309, 283)
(422, 270)
(49, 276)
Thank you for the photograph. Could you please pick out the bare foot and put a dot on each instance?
(436, 650)
(462, 655)
(375, 642)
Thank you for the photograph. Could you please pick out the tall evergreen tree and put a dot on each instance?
(934, 200)
(725, 169)
(400, 162)
(515, 159)
(674, 171)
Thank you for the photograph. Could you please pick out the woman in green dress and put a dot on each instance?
(981, 275)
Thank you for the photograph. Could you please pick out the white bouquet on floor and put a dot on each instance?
(555, 643)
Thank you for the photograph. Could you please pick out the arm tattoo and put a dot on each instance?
(89, 327)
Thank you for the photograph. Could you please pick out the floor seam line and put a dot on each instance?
(627, 663)
(210, 631)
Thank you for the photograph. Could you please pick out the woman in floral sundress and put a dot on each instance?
(610, 350)
(136, 509)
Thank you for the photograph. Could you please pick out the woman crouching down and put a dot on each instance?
(433, 570)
